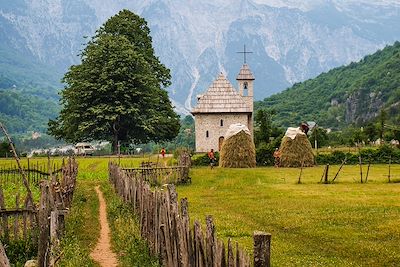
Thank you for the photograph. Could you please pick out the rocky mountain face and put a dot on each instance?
(291, 40)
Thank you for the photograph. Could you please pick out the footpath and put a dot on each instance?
(102, 253)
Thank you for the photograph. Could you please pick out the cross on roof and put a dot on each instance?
(244, 52)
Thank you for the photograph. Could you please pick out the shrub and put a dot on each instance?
(264, 154)
(380, 155)
(203, 160)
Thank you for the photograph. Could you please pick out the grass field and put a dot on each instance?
(342, 224)
(312, 224)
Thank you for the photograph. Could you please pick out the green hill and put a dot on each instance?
(28, 92)
(22, 113)
(352, 94)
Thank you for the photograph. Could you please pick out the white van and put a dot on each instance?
(84, 149)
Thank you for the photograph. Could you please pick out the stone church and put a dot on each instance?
(220, 106)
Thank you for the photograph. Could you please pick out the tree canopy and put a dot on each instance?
(117, 91)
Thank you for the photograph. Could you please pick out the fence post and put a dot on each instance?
(326, 179)
(4, 262)
(210, 241)
(262, 247)
(44, 227)
(4, 216)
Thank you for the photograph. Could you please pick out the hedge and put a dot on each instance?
(380, 155)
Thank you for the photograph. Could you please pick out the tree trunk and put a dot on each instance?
(115, 144)
(115, 138)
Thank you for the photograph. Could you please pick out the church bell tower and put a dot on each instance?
(245, 80)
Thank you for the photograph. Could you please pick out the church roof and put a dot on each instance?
(245, 73)
(221, 97)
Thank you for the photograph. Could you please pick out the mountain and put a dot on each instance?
(291, 40)
(352, 94)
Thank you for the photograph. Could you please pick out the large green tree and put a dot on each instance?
(264, 128)
(117, 92)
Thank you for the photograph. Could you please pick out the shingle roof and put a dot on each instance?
(221, 97)
(245, 73)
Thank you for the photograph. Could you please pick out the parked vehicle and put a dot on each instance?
(84, 149)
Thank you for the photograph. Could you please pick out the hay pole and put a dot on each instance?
(25, 181)
(323, 175)
(390, 161)
(369, 165)
(301, 171)
(360, 164)
(326, 179)
(340, 168)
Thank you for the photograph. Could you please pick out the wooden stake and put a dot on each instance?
(360, 163)
(369, 165)
(323, 175)
(262, 249)
(301, 171)
(340, 168)
(326, 179)
(390, 161)
(4, 262)
(25, 181)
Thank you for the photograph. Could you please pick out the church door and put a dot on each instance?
(220, 141)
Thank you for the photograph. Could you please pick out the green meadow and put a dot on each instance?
(312, 224)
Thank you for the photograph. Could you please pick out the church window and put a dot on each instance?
(207, 134)
(222, 123)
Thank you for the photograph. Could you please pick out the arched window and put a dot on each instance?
(245, 89)
(222, 122)
(207, 134)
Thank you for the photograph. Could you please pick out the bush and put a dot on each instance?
(203, 160)
(264, 154)
(177, 152)
(380, 155)
(19, 251)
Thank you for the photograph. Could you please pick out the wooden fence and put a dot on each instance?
(18, 222)
(44, 223)
(55, 201)
(167, 228)
(35, 172)
(160, 175)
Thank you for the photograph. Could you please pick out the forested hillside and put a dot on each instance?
(352, 94)
(28, 92)
(22, 113)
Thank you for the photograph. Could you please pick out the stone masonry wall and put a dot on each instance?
(212, 124)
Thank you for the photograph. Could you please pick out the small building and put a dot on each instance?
(220, 106)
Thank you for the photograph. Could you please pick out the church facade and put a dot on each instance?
(222, 105)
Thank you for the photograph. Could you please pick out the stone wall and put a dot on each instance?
(212, 124)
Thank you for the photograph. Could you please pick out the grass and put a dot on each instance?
(126, 239)
(342, 224)
(83, 230)
(82, 226)
(312, 224)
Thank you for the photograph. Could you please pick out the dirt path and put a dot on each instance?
(102, 252)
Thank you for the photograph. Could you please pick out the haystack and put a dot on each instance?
(238, 150)
(296, 149)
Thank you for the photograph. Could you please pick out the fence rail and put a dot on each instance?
(160, 175)
(17, 223)
(167, 228)
(34, 173)
(44, 223)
